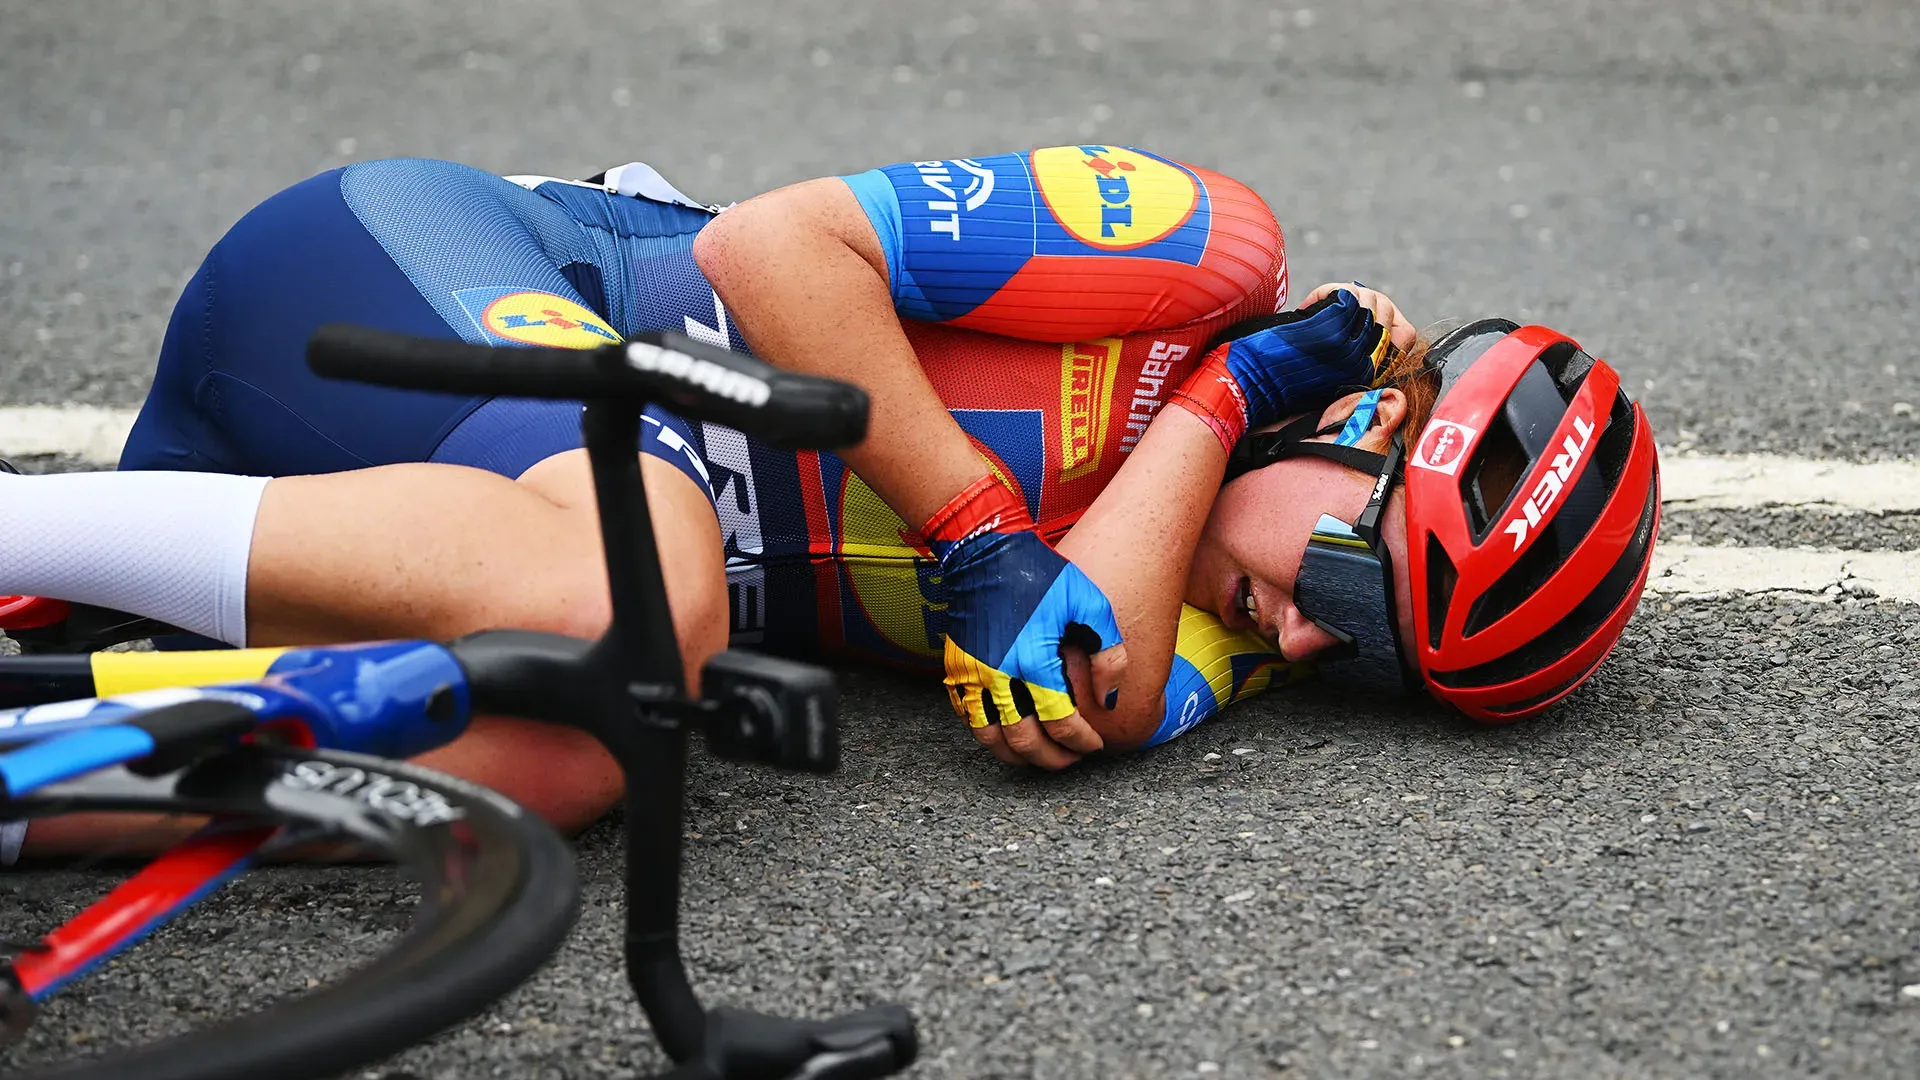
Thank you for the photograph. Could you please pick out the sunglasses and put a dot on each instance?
(1345, 582)
(1345, 586)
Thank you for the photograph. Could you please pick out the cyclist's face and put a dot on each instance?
(1258, 531)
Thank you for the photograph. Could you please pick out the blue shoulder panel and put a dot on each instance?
(964, 226)
(875, 193)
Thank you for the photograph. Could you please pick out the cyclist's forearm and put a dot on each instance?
(803, 278)
(1136, 542)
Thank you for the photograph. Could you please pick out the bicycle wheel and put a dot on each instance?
(497, 895)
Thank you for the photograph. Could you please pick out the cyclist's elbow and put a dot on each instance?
(1130, 724)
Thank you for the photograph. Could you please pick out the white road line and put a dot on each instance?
(83, 431)
(1749, 481)
(1690, 481)
(1689, 572)
(1687, 481)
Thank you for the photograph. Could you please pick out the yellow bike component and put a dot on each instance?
(125, 672)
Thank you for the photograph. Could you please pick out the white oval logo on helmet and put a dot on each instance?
(1443, 446)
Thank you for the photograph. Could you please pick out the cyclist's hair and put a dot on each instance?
(1409, 374)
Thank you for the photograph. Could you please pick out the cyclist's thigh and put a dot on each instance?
(413, 246)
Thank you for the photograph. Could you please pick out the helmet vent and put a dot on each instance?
(1441, 578)
(1498, 465)
(1579, 509)
(1517, 708)
(1520, 582)
(1579, 624)
(1611, 452)
(1568, 366)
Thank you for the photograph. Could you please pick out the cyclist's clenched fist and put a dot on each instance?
(1012, 602)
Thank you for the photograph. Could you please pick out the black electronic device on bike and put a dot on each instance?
(626, 689)
(634, 694)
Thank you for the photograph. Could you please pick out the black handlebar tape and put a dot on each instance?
(694, 379)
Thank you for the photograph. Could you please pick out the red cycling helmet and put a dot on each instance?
(1523, 581)
(1533, 497)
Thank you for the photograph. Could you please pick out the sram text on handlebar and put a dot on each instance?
(706, 375)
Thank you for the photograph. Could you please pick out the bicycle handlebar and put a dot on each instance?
(697, 380)
(628, 688)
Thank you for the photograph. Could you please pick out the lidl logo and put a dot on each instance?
(539, 318)
(878, 555)
(1112, 197)
(892, 577)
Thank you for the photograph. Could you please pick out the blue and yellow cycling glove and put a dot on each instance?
(1011, 600)
(1301, 360)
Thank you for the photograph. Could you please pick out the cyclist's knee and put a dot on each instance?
(692, 555)
(687, 535)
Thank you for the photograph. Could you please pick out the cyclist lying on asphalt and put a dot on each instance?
(1063, 348)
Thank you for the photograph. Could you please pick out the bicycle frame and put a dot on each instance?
(389, 699)
(626, 689)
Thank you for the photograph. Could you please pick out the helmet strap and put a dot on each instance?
(1257, 451)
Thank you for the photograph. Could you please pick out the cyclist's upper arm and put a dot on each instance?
(1070, 242)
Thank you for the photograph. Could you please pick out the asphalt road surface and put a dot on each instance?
(1704, 865)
